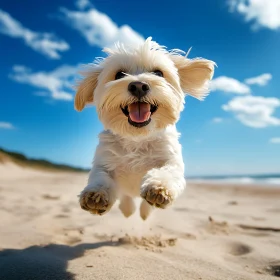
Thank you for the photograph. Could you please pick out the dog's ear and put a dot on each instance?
(195, 75)
(85, 89)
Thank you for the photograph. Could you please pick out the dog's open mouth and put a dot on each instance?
(139, 113)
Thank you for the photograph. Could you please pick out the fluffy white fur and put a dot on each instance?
(146, 161)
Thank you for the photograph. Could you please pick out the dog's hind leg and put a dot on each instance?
(145, 209)
(127, 205)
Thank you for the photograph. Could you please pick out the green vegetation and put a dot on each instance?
(22, 160)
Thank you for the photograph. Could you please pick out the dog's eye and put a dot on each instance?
(119, 75)
(158, 73)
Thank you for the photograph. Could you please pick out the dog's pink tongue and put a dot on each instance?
(139, 112)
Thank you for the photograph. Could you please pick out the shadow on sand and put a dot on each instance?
(42, 262)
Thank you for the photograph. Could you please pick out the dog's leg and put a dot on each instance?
(161, 186)
(127, 205)
(145, 209)
(100, 194)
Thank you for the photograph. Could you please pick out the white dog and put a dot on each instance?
(139, 94)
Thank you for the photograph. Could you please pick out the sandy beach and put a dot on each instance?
(214, 232)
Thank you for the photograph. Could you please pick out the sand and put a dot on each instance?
(211, 232)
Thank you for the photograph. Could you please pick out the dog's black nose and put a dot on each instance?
(138, 89)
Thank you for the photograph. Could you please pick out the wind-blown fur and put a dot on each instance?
(131, 161)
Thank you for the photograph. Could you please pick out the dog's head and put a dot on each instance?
(138, 91)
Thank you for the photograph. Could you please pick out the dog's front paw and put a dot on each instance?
(157, 195)
(95, 202)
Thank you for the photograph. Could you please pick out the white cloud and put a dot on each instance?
(230, 85)
(6, 125)
(275, 140)
(262, 13)
(254, 111)
(217, 120)
(260, 80)
(58, 84)
(83, 4)
(99, 29)
(45, 43)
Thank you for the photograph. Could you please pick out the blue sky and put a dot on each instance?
(235, 130)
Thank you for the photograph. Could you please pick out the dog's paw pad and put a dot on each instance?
(157, 196)
(94, 202)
